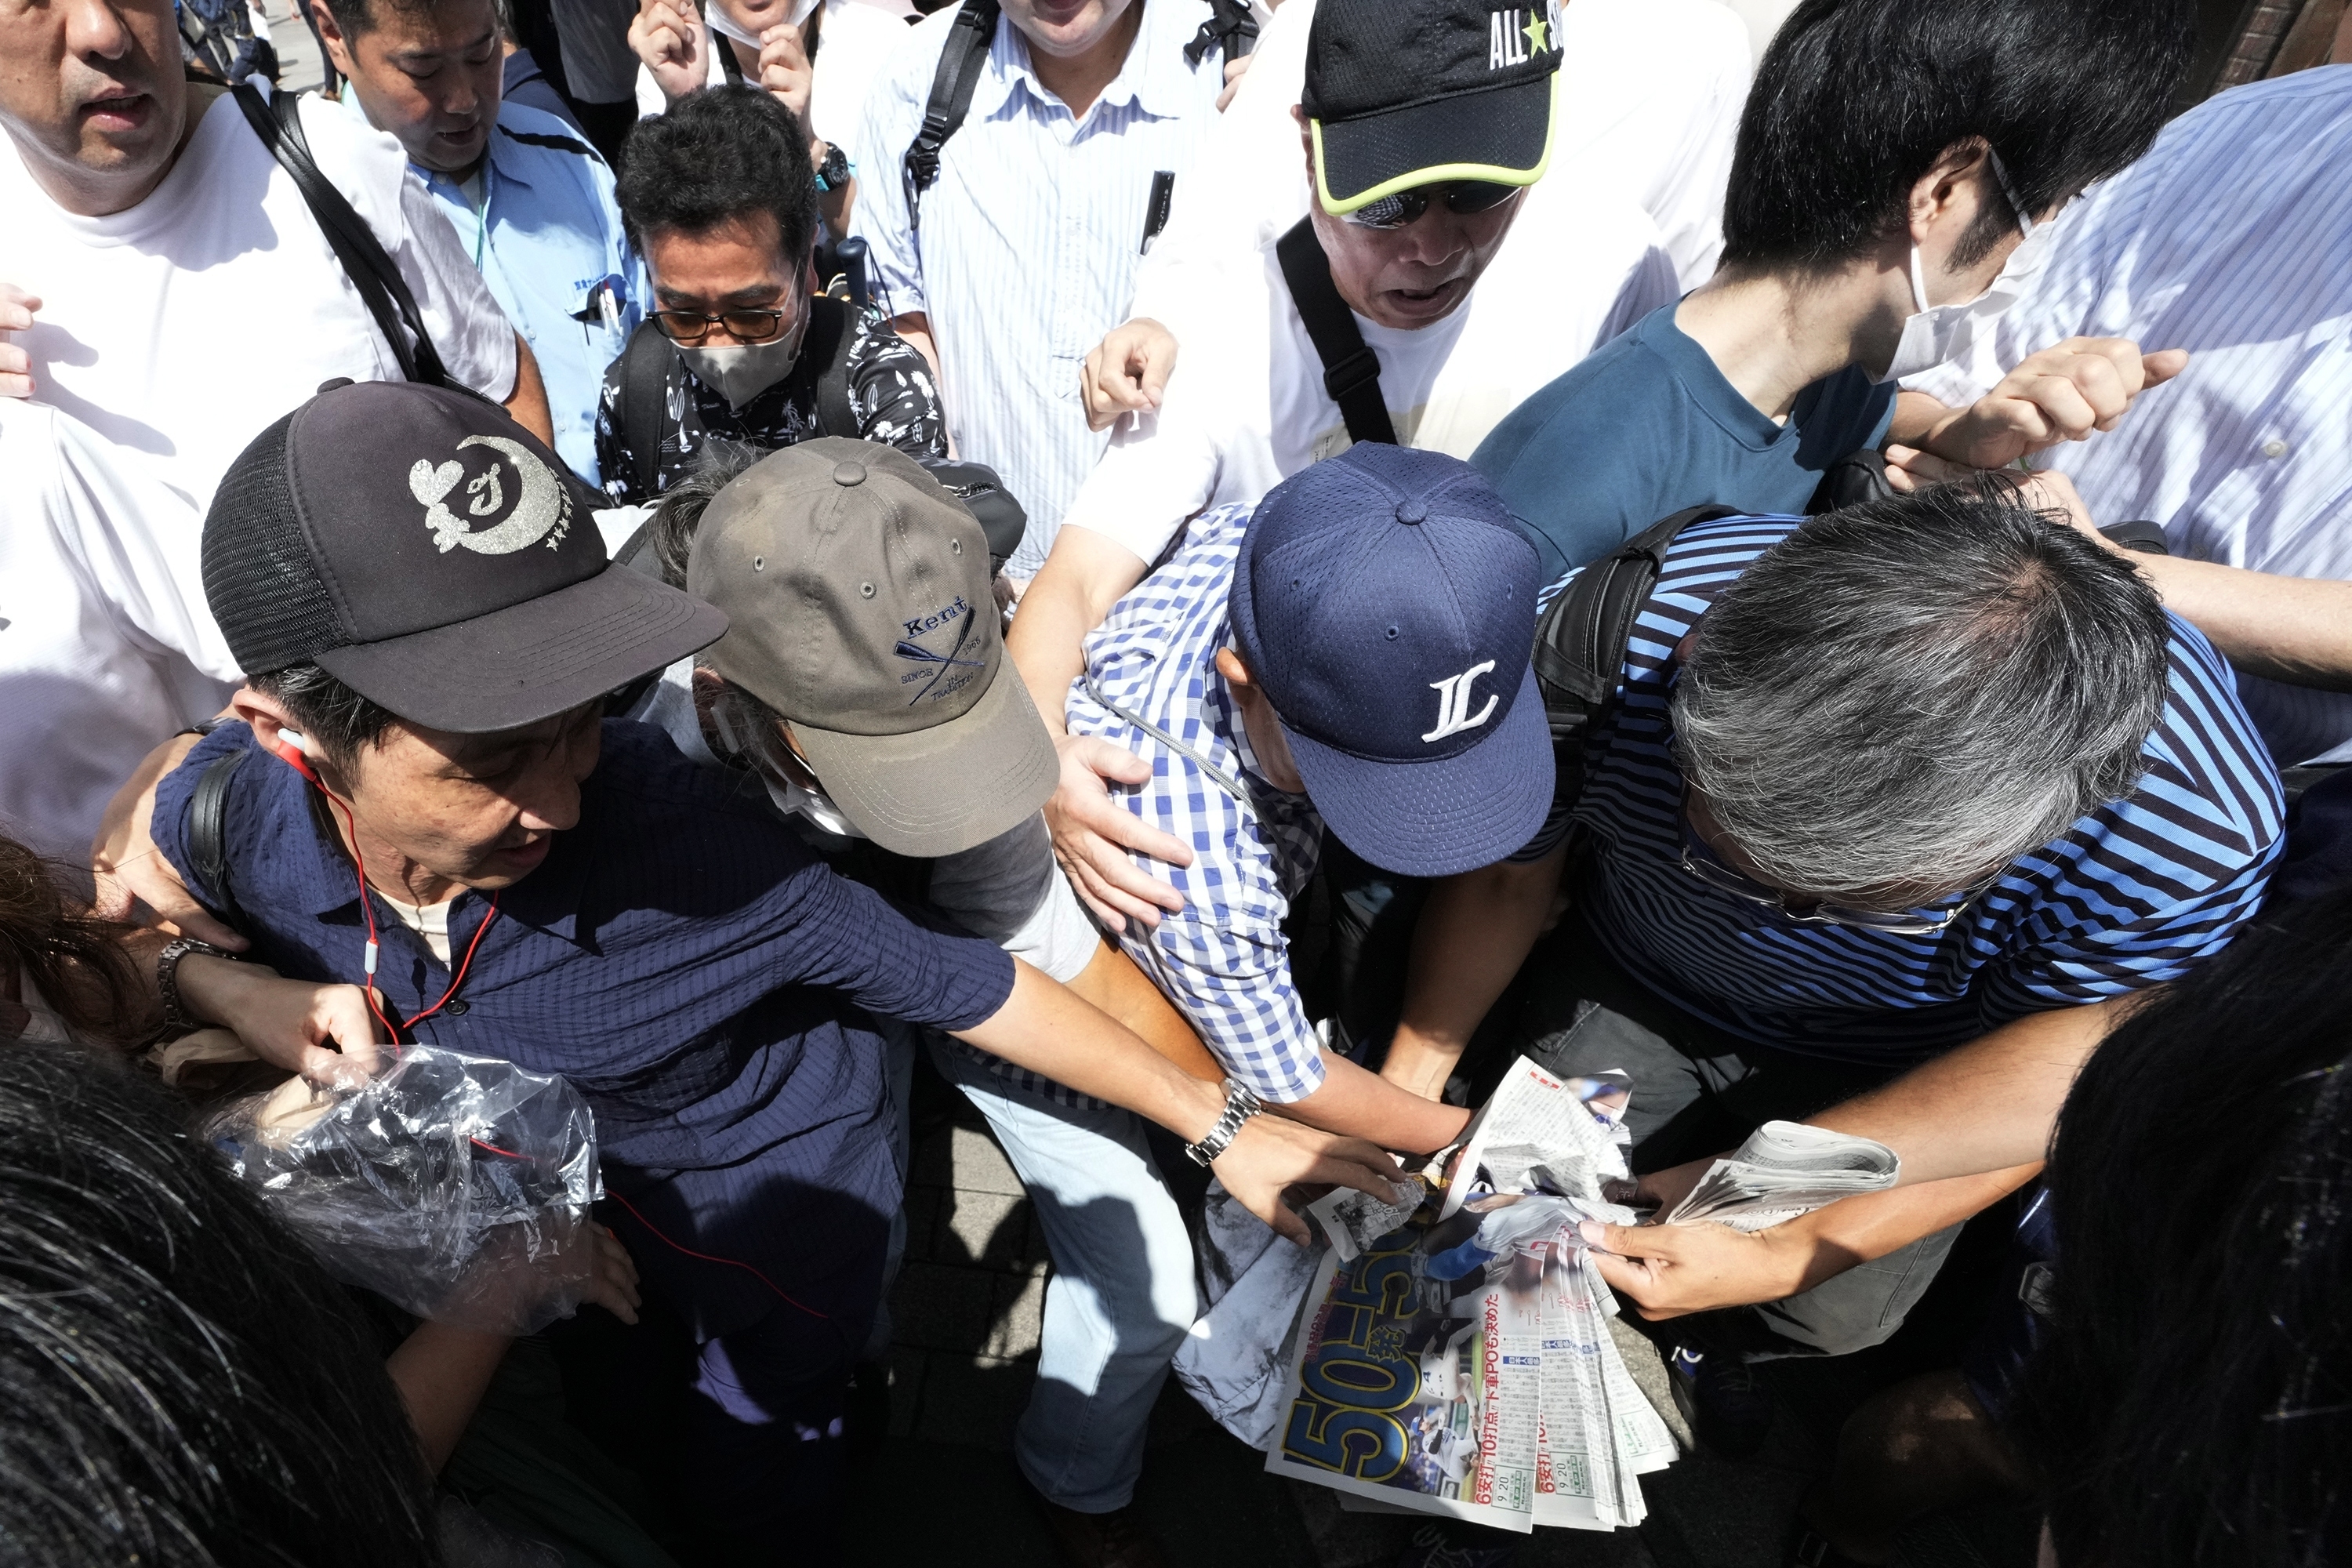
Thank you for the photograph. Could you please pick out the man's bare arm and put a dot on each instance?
(1474, 933)
(1083, 577)
(2294, 629)
(527, 402)
(1988, 1105)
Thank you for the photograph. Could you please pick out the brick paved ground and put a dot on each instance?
(944, 1489)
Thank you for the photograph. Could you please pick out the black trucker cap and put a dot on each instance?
(1415, 93)
(436, 557)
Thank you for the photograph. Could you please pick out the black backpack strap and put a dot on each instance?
(969, 40)
(209, 832)
(726, 60)
(827, 348)
(279, 122)
(1351, 373)
(1579, 651)
(1232, 26)
(645, 404)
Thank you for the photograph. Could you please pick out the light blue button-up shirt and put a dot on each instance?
(1026, 252)
(548, 239)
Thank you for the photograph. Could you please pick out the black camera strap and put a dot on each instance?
(279, 122)
(1352, 374)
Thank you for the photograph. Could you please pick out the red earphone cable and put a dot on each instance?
(367, 908)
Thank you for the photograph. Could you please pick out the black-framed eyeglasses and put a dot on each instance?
(1701, 861)
(1402, 209)
(690, 327)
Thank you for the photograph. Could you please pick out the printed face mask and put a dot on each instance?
(1936, 335)
(740, 372)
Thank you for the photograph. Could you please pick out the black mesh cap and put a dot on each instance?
(436, 557)
(1402, 93)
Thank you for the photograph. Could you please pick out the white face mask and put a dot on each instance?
(728, 26)
(1938, 334)
(740, 372)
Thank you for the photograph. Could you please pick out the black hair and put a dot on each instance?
(181, 1384)
(1856, 100)
(718, 155)
(679, 515)
(2191, 1402)
(76, 961)
(342, 723)
(359, 17)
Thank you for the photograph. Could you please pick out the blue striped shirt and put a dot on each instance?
(1222, 960)
(2129, 897)
(2233, 239)
(1027, 248)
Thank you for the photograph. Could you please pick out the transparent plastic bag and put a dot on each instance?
(457, 1186)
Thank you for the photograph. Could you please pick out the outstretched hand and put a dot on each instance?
(325, 1033)
(1672, 1270)
(1271, 1152)
(1128, 372)
(1092, 835)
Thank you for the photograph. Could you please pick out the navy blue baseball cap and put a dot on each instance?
(1386, 604)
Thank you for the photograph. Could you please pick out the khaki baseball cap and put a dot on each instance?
(857, 594)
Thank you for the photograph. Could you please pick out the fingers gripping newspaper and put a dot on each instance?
(1454, 1354)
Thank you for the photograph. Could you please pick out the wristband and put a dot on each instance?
(1239, 1106)
(167, 980)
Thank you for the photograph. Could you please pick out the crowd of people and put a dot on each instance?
(1208, 575)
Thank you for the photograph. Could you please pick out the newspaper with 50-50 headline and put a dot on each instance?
(1454, 1354)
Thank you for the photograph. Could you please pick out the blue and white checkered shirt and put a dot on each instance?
(1222, 960)
(1027, 248)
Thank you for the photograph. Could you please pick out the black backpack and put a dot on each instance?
(1230, 26)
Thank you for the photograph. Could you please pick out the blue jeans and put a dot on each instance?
(1121, 1297)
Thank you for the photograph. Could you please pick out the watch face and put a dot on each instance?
(835, 170)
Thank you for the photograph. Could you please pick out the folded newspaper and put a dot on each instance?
(1452, 1353)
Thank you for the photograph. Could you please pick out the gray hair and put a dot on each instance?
(679, 511)
(1911, 692)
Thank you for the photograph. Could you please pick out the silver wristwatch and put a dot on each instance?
(167, 980)
(1239, 1106)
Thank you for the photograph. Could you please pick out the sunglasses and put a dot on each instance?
(1404, 208)
(690, 327)
(1701, 861)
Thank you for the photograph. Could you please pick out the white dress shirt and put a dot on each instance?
(1026, 250)
(2233, 239)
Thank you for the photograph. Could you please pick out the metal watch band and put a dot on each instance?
(167, 980)
(1241, 1104)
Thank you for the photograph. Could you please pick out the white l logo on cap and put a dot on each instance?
(1453, 694)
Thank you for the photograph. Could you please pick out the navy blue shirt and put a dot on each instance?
(1646, 425)
(683, 960)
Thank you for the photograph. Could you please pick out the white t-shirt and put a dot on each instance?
(1246, 407)
(857, 37)
(180, 329)
(106, 648)
(1650, 96)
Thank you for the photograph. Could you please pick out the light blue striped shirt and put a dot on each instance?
(2130, 896)
(2233, 239)
(1027, 248)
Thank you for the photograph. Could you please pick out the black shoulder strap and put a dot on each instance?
(209, 832)
(827, 348)
(726, 60)
(1351, 373)
(645, 404)
(1579, 649)
(279, 123)
(969, 40)
(1232, 26)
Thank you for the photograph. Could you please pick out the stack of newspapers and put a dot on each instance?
(1453, 1355)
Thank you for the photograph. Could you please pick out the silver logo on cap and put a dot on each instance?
(542, 508)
